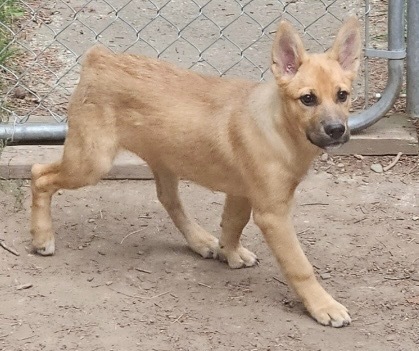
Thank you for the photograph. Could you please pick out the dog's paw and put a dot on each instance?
(238, 258)
(332, 313)
(207, 248)
(46, 249)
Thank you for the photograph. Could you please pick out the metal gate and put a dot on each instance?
(211, 36)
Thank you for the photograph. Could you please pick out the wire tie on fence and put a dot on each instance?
(14, 127)
(387, 54)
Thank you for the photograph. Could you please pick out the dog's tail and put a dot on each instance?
(95, 54)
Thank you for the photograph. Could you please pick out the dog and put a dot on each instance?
(253, 141)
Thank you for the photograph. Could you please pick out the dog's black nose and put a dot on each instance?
(335, 130)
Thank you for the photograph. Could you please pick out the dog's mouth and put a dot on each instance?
(326, 143)
(333, 146)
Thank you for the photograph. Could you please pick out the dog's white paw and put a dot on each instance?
(238, 258)
(207, 248)
(332, 313)
(47, 249)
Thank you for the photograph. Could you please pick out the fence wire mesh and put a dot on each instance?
(46, 40)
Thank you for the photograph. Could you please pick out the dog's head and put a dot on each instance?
(316, 88)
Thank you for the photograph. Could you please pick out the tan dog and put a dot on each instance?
(253, 141)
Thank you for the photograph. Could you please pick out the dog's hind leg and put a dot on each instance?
(85, 160)
(198, 239)
(236, 215)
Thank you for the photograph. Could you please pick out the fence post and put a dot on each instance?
(412, 102)
(395, 54)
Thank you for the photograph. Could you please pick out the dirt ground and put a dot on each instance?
(123, 279)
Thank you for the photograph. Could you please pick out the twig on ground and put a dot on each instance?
(24, 286)
(177, 319)
(412, 169)
(393, 163)
(139, 296)
(398, 278)
(132, 233)
(202, 284)
(12, 251)
(143, 270)
(279, 281)
(155, 296)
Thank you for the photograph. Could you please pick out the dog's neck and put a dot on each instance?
(279, 127)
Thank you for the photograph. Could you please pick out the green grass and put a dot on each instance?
(9, 11)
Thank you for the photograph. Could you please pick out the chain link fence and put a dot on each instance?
(232, 38)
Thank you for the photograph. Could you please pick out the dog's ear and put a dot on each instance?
(347, 46)
(288, 51)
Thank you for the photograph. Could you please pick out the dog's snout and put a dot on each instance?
(335, 130)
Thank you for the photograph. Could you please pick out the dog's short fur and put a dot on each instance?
(253, 141)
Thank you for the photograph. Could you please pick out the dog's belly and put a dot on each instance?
(214, 178)
(211, 173)
(188, 152)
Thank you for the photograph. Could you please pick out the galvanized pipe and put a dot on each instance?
(33, 132)
(368, 117)
(412, 102)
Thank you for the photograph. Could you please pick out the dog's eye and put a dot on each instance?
(309, 99)
(342, 95)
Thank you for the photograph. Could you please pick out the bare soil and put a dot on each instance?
(123, 279)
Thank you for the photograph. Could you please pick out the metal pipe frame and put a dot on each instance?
(412, 102)
(395, 56)
(56, 132)
(33, 133)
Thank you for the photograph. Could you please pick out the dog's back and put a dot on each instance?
(128, 80)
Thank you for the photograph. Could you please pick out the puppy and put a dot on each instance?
(253, 141)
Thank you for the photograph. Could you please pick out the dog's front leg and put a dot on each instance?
(277, 227)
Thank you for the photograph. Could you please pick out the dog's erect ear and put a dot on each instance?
(347, 46)
(288, 51)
